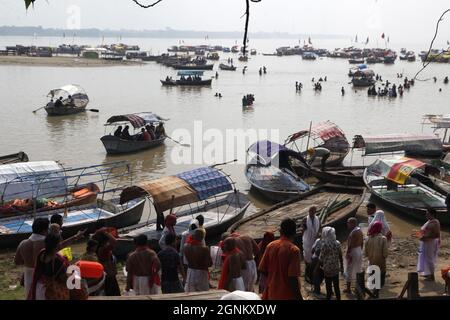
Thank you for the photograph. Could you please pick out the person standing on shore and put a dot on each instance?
(429, 237)
(28, 250)
(249, 249)
(281, 265)
(231, 276)
(376, 250)
(309, 238)
(353, 258)
(262, 245)
(331, 261)
(193, 225)
(378, 215)
(170, 267)
(199, 260)
(169, 223)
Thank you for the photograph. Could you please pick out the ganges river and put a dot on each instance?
(75, 140)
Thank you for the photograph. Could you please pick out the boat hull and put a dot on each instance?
(14, 158)
(194, 67)
(64, 111)
(187, 83)
(121, 219)
(116, 145)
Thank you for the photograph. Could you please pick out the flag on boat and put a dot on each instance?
(383, 36)
(388, 39)
(367, 41)
(356, 38)
(309, 40)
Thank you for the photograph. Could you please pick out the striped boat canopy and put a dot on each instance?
(137, 120)
(181, 189)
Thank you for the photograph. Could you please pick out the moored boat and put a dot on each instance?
(14, 158)
(267, 171)
(223, 66)
(389, 180)
(323, 197)
(69, 99)
(207, 191)
(119, 144)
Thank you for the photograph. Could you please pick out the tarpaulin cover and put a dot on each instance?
(206, 181)
(396, 169)
(137, 120)
(266, 150)
(70, 89)
(31, 179)
(184, 188)
(409, 143)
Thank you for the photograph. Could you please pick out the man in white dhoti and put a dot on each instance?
(353, 258)
(28, 250)
(310, 233)
(375, 215)
(199, 260)
(430, 235)
(143, 269)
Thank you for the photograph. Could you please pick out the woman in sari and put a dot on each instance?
(49, 279)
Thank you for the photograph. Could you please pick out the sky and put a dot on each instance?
(396, 18)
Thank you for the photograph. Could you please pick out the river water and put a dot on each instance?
(75, 140)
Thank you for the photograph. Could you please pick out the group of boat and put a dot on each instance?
(283, 174)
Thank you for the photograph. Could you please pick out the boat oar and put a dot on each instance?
(92, 110)
(224, 163)
(38, 109)
(181, 144)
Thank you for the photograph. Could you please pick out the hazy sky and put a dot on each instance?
(397, 18)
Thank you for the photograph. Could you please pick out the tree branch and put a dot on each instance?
(146, 6)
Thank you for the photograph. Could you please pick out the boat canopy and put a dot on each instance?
(410, 143)
(266, 151)
(324, 130)
(362, 66)
(397, 169)
(73, 90)
(190, 73)
(181, 189)
(365, 73)
(438, 120)
(31, 179)
(137, 120)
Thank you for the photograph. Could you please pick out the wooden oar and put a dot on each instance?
(38, 109)
(224, 163)
(92, 110)
(181, 144)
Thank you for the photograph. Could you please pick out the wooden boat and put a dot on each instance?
(188, 78)
(118, 145)
(267, 172)
(389, 180)
(111, 214)
(427, 145)
(253, 52)
(324, 134)
(356, 61)
(223, 66)
(77, 196)
(206, 191)
(48, 178)
(213, 56)
(309, 56)
(74, 100)
(14, 158)
(193, 66)
(363, 78)
(345, 176)
(269, 219)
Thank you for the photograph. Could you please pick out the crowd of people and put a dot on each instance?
(149, 133)
(248, 100)
(182, 263)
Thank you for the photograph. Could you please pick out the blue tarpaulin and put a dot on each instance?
(206, 181)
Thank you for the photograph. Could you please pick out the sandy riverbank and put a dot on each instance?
(63, 62)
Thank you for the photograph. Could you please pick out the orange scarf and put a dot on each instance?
(190, 240)
(226, 267)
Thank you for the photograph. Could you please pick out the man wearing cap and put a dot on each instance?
(322, 153)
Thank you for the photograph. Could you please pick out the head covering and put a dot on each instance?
(267, 238)
(375, 228)
(170, 221)
(328, 234)
(311, 151)
(379, 216)
(194, 222)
